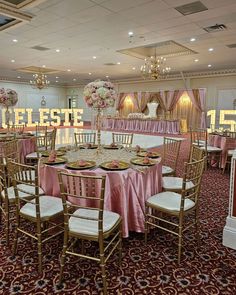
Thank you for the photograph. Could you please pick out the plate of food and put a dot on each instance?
(54, 161)
(113, 146)
(57, 153)
(80, 165)
(88, 146)
(148, 154)
(144, 161)
(115, 165)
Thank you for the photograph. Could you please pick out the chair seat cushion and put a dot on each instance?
(199, 142)
(32, 156)
(170, 201)
(25, 187)
(90, 227)
(230, 152)
(174, 183)
(212, 149)
(167, 170)
(49, 206)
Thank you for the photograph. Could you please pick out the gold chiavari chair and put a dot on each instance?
(82, 138)
(175, 184)
(232, 135)
(40, 211)
(43, 143)
(177, 205)
(16, 128)
(88, 220)
(171, 148)
(199, 137)
(41, 130)
(125, 139)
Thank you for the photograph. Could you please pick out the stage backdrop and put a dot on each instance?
(188, 106)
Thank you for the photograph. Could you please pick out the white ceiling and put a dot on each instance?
(82, 29)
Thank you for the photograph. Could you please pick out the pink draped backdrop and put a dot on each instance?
(169, 100)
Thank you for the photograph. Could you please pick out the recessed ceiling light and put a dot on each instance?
(118, 63)
(57, 77)
(209, 66)
(57, 50)
(94, 57)
(90, 73)
(15, 40)
(133, 68)
(211, 49)
(18, 77)
(196, 60)
(12, 60)
(74, 79)
(69, 70)
(44, 66)
(193, 39)
(131, 33)
(107, 76)
(56, 81)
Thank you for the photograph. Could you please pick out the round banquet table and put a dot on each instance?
(26, 145)
(223, 142)
(126, 191)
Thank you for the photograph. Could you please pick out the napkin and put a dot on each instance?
(88, 145)
(113, 144)
(81, 163)
(146, 160)
(52, 156)
(149, 154)
(114, 164)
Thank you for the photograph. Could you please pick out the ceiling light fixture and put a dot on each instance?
(193, 39)
(196, 60)
(18, 77)
(39, 81)
(74, 79)
(44, 66)
(90, 73)
(133, 68)
(118, 63)
(12, 60)
(69, 70)
(57, 77)
(57, 50)
(130, 33)
(107, 76)
(210, 49)
(209, 66)
(154, 67)
(15, 40)
(94, 57)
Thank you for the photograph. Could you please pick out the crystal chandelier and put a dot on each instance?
(154, 67)
(40, 81)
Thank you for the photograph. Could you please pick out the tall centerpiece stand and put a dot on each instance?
(99, 95)
(8, 98)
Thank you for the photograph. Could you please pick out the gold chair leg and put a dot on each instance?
(7, 227)
(63, 256)
(180, 239)
(146, 225)
(120, 244)
(82, 247)
(102, 265)
(39, 236)
(16, 235)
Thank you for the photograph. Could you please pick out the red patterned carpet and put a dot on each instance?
(146, 269)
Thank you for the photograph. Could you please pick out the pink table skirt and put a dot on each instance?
(126, 191)
(223, 142)
(151, 126)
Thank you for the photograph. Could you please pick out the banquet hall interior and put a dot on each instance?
(117, 140)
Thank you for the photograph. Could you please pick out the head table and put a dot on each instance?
(126, 191)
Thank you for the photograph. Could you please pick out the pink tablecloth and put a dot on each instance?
(126, 191)
(143, 125)
(26, 146)
(223, 142)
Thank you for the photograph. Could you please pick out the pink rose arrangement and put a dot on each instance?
(100, 94)
(8, 97)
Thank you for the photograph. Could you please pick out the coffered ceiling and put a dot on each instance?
(82, 39)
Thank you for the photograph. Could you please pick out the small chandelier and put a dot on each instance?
(40, 81)
(154, 67)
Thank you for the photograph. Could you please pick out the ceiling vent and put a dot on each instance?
(109, 64)
(40, 48)
(191, 8)
(231, 45)
(215, 28)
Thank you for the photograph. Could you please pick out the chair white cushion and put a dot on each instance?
(49, 206)
(199, 143)
(25, 187)
(212, 149)
(32, 156)
(230, 152)
(166, 170)
(171, 182)
(90, 227)
(169, 201)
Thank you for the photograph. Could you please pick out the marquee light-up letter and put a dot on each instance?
(18, 117)
(212, 113)
(54, 113)
(77, 117)
(67, 119)
(43, 117)
(29, 118)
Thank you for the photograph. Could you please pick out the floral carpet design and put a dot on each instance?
(146, 269)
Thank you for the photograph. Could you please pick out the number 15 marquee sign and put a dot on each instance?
(223, 120)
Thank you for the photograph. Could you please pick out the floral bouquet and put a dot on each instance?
(8, 97)
(100, 94)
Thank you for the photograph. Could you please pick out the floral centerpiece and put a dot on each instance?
(8, 98)
(99, 95)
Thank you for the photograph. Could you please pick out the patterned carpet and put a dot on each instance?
(146, 269)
